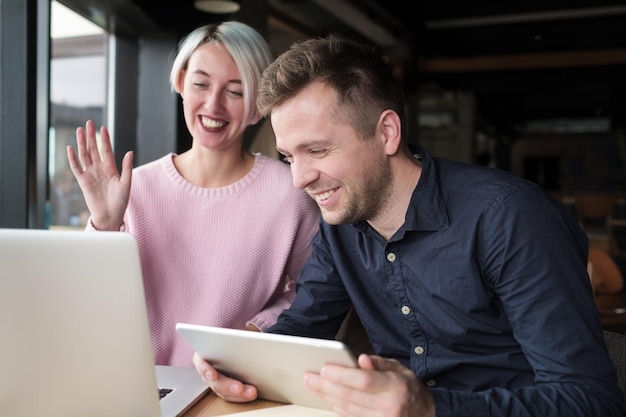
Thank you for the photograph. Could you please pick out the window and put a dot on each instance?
(78, 86)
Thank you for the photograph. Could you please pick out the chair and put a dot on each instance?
(616, 345)
(605, 275)
(594, 212)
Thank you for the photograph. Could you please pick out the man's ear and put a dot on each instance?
(390, 128)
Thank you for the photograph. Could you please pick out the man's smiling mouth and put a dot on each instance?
(324, 196)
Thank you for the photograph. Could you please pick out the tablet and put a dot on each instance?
(274, 363)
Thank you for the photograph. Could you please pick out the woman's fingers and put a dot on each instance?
(81, 146)
(94, 157)
(73, 161)
(106, 150)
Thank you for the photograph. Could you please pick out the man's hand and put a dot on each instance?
(226, 388)
(380, 387)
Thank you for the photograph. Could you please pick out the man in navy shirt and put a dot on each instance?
(471, 283)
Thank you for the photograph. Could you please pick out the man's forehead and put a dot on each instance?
(285, 145)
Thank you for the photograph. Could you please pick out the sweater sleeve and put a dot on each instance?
(308, 225)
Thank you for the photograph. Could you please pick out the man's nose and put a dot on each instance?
(303, 173)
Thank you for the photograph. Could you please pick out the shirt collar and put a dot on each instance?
(427, 210)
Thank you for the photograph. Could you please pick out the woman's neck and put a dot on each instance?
(211, 169)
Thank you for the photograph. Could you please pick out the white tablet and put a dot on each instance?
(274, 363)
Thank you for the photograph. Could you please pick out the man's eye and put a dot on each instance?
(317, 152)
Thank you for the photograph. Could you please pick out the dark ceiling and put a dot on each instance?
(524, 60)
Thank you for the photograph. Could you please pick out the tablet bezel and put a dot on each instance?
(274, 363)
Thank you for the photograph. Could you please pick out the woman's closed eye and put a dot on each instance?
(234, 93)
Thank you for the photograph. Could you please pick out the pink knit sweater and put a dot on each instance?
(217, 256)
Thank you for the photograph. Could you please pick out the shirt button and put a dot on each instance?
(430, 383)
(419, 350)
(391, 257)
(405, 310)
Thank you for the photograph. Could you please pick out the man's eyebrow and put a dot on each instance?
(300, 146)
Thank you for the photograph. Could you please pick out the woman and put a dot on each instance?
(222, 233)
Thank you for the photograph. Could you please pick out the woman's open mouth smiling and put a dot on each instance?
(211, 123)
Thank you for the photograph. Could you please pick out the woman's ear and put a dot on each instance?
(255, 119)
(180, 82)
(390, 129)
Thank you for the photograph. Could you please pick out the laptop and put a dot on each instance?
(274, 363)
(75, 334)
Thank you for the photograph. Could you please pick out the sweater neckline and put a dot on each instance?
(234, 188)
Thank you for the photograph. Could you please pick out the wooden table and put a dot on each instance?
(211, 405)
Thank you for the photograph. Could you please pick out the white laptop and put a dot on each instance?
(74, 331)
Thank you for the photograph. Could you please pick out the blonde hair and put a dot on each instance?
(245, 45)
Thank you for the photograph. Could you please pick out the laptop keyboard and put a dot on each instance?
(163, 392)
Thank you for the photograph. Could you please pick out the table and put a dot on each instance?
(211, 405)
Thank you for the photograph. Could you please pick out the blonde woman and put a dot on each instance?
(222, 232)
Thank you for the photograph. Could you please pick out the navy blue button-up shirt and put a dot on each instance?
(483, 293)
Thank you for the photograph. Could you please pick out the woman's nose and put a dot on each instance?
(213, 101)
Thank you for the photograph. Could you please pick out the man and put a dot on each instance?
(471, 283)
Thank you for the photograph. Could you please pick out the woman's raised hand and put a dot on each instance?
(106, 192)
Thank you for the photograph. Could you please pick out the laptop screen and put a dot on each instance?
(75, 335)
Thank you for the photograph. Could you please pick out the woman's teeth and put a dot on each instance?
(210, 123)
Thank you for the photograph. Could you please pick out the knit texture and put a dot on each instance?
(217, 256)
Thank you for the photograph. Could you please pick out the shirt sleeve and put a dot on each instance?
(321, 301)
(534, 259)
